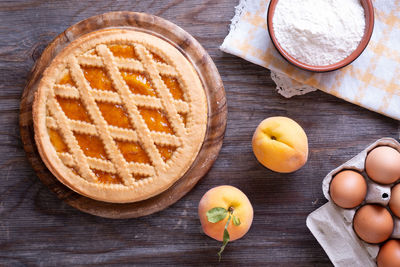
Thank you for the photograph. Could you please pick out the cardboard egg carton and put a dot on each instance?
(332, 226)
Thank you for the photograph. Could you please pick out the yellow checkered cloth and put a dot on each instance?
(371, 81)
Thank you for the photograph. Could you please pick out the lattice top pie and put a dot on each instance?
(119, 115)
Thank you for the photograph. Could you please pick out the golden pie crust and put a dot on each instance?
(119, 115)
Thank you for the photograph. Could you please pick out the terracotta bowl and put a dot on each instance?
(369, 26)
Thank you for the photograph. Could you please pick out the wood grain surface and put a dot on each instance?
(216, 122)
(36, 228)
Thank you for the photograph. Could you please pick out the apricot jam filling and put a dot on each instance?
(107, 178)
(140, 177)
(157, 58)
(128, 51)
(133, 152)
(125, 51)
(114, 115)
(93, 53)
(138, 83)
(183, 117)
(57, 141)
(97, 78)
(173, 86)
(165, 151)
(155, 120)
(66, 79)
(73, 109)
(91, 146)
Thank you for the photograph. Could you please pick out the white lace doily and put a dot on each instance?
(288, 87)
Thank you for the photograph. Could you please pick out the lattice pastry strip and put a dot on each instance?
(116, 132)
(95, 163)
(162, 91)
(107, 166)
(101, 125)
(111, 97)
(80, 159)
(126, 64)
(134, 114)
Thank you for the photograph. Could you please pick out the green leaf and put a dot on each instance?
(215, 215)
(225, 238)
(236, 220)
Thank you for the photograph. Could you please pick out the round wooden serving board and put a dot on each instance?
(217, 112)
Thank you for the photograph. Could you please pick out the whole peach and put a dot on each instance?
(280, 144)
(234, 201)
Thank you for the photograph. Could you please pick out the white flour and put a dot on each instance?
(319, 32)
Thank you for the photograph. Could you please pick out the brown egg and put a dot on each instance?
(348, 189)
(389, 254)
(373, 223)
(394, 202)
(383, 165)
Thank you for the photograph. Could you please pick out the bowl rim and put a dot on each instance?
(369, 27)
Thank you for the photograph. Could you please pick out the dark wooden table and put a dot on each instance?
(38, 229)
